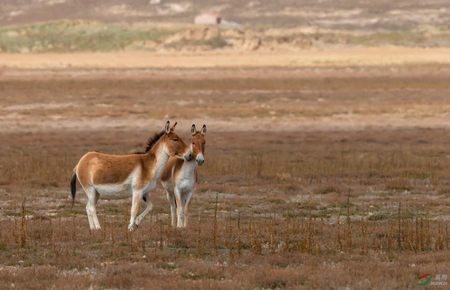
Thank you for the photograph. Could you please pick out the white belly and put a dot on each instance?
(113, 191)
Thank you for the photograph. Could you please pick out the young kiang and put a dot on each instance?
(180, 176)
(117, 176)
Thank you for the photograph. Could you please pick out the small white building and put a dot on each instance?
(208, 18)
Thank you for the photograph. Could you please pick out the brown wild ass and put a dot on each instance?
(108, 175)
(180, 176)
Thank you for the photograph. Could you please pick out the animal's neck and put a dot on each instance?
(161, 158)
(189, 167)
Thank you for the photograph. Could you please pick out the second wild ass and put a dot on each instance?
(108, 176)
(180, 176)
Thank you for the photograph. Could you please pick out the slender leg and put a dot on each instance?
(185, 201)
(88, 213)
(180, 212)
(90, 193)
(136, 198)
(94, 212)
(173, 207)
(148, 208)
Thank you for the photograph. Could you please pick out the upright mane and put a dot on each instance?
(152, 141)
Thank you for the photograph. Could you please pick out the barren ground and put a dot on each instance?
(311, 58)
(332, 177)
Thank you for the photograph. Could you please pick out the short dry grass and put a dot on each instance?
(266, 99)
(70, 36)
(339, 209)
(306, 204)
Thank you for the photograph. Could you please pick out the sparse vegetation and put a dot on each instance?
(273, 209)
(327, 155)
(93, 36)
(216, 42)
(69, 36)
(401, 38)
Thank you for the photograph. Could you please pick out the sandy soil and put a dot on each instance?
(228, 100)
(332, 177)
(374, 56)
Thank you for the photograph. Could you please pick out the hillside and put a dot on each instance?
(160, 25)
(343, 14)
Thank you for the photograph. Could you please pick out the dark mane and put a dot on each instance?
(152, 141)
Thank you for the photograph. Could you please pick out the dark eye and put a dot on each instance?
(175, 140)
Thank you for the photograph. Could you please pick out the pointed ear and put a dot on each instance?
(167, 129)
(204, 129)
(193, 130)
(173, 127)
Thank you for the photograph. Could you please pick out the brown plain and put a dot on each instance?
(341, 57)
(314, 178)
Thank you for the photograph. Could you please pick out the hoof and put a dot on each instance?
(132, 227)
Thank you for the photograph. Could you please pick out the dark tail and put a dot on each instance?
(73, 187)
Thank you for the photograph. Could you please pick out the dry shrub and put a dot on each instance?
(257, 234)
(199, 270)
(119, 277)
(36, 277)
(273, 278)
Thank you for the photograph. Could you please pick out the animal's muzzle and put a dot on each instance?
(200, 159)
(188, 156)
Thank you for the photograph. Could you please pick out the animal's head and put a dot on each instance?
(175, 146)
(198, 144)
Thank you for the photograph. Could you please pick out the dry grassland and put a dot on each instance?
(340, 57)
(286, 199)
